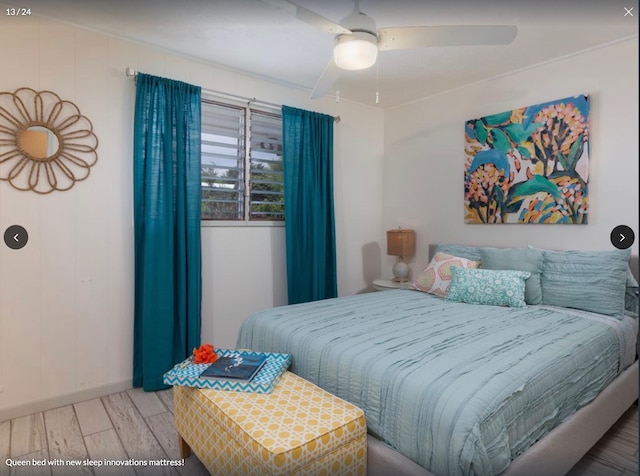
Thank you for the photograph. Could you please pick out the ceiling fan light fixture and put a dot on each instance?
(356, 51)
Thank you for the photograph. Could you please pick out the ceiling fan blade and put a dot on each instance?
(326, 80)
(307, 16)
(456, 35)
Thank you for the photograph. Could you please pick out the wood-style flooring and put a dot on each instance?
(131, 426)
(138, 426)
(617, 451)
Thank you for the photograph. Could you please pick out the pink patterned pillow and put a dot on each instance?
(436, 277)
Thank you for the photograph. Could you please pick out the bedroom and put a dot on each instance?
(70, 292)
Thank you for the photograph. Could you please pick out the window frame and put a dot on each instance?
(247, 110)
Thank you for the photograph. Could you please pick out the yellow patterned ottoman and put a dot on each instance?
(298, 429)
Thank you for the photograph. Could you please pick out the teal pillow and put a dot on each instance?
(519, 259)
(632, 301)
(463, 251)
(487, 286)
(593, 281)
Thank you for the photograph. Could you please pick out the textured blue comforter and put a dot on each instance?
(460, 389)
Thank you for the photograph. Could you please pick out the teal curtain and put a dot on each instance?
(166, 174)
(307, 139)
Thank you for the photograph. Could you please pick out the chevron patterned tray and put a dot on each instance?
(187, 374)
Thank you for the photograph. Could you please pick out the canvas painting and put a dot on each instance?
(529, 165)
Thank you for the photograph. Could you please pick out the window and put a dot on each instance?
(242, 176)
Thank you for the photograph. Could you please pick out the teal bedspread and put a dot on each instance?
(460, 389)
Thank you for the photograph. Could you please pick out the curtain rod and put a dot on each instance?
(133, 73)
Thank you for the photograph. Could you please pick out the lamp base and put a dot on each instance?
(400, 272)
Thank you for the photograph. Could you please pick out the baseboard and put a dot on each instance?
(62, 400)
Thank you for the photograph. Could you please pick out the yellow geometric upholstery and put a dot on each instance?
(297, 429)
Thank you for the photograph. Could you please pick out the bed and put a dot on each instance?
(454, 388)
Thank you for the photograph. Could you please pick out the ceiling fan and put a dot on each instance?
(358, 40)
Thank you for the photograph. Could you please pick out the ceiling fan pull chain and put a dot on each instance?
(378, 82)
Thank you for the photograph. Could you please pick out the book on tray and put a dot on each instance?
(187, 373)
(239, 367)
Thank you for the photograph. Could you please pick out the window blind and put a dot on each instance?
(223, 151)
(242, 175)
(266, 177)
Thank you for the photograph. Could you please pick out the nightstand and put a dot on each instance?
(386, 284)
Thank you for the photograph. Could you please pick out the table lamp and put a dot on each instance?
(401, 243)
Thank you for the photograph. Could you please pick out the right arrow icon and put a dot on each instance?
(622, 237)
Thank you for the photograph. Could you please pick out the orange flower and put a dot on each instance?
(204, 355)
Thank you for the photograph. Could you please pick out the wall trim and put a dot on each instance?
(63, 400)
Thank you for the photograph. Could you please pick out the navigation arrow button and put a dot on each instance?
(16, 237)
(622, 237)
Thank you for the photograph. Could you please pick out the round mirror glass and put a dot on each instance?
(39, 142)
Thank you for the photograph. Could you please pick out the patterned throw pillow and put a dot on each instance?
(488, 286)
(436, 277)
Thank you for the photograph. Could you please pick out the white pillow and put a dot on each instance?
(436, 277)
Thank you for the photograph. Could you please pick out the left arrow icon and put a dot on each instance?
(15, 237)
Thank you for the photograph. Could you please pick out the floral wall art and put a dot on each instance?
(529, 165)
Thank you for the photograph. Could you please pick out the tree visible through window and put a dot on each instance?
(241, 163)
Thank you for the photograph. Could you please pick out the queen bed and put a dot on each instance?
(452, 388)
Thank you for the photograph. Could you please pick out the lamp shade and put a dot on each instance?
(356, 51)
(401, 242)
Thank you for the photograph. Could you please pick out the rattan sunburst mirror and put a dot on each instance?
(46, 144)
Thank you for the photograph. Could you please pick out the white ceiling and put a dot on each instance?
(250, 36)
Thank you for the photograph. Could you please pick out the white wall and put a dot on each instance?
(424, 154)
(66, 299)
